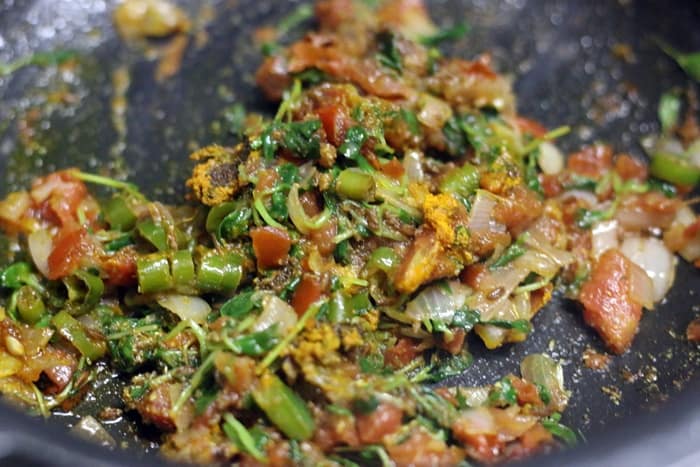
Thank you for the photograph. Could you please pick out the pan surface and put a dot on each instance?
(570, 64)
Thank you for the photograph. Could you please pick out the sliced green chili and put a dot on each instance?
(182, 268)
(285, 409)
(153, 273)
(85, 290)
(154, 233)
(71, 329)
(674, 169)
(219, 272)
(356, 184)
(30, 306)
(461, 180)
(118, 214)
(243, 439)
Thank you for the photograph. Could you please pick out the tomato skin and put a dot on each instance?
(533, 127)
(120, 268)
(307, 292)
(335, 123)
(393, 168)
(384, 420)
(591, 161)
(403, 353)
(270, 245)
(630, 168)
(70, 246)
(58, 195)
(608, 306)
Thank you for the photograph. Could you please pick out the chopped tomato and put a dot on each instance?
(551, 185)
(382, 421)
(534, 438)
(120, 268)
(266, 180)
(529, 126)
(323, 237)
(307, 292)
(335, 123)
(526, 392)
(62, 194)
(591, 161)
(608, 307)
(630, 168)
(455, 345)
(520, 208)
(70, 246)
(473, 275)
(403, 353)
(393, 168)
(270, 245)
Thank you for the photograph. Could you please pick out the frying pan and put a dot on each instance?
(592, 65)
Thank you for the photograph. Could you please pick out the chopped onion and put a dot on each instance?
(537, 240)
(90, 429)
(655, 259)
(438, 301)
(276, 311)
(301, 220)
(604, 236)
(434, 112)
(551, 160)
(40, 246)
(481, 212)
(636, 219)
(543, 370)
(13, 207)
(506, 278)
(641, 287)
(537, 262)
(582, 195)
(186, 307)
(413, 165)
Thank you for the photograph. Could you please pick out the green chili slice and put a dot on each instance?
(356, 184)
(71, 329)
(182, 268)
(461, 180)
(118, 214)
(153, 273)
(153, 233)
(285, 409)
(219, 272)
(84, 291)
(30, 305)
(674, 169)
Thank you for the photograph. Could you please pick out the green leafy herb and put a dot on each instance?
(365, 405)
(449, 366)
(311, 76)
(543, 392)
(585, 218)
(239, 306)
(351, 148)
(19, 274)
(514, 251)
(668, 189)
(119, 243)
(300, 14)
(465, 319)
(372, 364)
(503, 393)
(559, 430)
(342, 253)
(449, 34)
(205, 399)
(235, 224)
(532, 178)
(238, 433)
(520, 325)
(411, 121)
(690, 62)
(579, 182)
(42, 59)
(388, 54)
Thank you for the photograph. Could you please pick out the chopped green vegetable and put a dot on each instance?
(388, 54)
(154, 234)
(520, 325)
(669, 111)
(234, 117)
(503, 393)
(465, 319)
(355, 184)
(84, 291)
(18, 274)
(559, 430)
(674, 169)
(411, 121)
(30, 305)
(241, 437)
(450, 34)
(352, 145)
(514, 251)
(118, 214)
(71, 329)
(284, 407)
(690, 62)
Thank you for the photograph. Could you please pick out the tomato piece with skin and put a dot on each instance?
(529, 126)
(70, 246)
(307, 292)
(630, 168)
(382, 421)
(403, 353)
(608, 306)
(335, 123)
(61, 193)
(270, 245)
(591, 161)
(120, 268)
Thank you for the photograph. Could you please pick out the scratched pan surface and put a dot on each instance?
(561, 56)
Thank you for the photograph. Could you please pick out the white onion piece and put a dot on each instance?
(537, 262)
(641, 287)
(438, 301)
(537, 240)
(186, 307)
(506, 278)
(551, 159)
(434, 112)
(40, 246)
(636, 219)
(480, 214)
(301, 220)
(655, 259)
(413, 165)
(90, 429)
(604, 236)
(276, 311)
(582, 195)
(693, 152)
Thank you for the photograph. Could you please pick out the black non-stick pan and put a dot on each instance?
(591, 64)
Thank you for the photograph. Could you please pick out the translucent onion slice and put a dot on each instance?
(40, 246)
(655, 259)
(604, 236)
(551, 159)
(186, 307)
(438, 301)
(276, 311)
